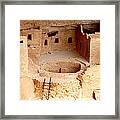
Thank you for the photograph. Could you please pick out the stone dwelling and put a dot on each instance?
(59, 54)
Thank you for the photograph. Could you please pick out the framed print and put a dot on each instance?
(60, 60)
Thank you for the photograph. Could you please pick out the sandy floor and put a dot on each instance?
(61, 55)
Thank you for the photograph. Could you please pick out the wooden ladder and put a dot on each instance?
(46, 89)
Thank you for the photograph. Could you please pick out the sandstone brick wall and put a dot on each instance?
(37, 44)
(34, 49)
(23, 56)
(63, 44)
(70, 33)
(88, 46)
(83, 44)
(26, 84)
(95, 48)
(34, 44)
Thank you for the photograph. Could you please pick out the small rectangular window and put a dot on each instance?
(70, 40)
(56, 40)
(29, 37)
(45, 43)
(21, 41)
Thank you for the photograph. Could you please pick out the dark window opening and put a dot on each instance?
(53, 33)
(60, 70)
(56, 40)
(21, 41)
(45, 42)
(29, 37)
(70, 40)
